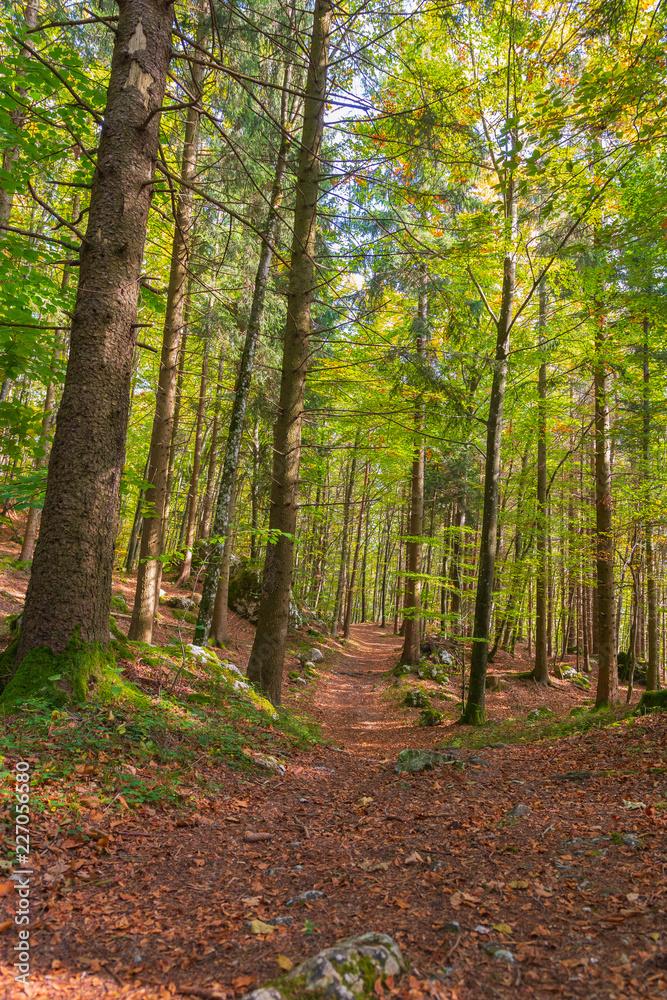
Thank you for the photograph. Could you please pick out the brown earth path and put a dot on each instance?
(437, 860)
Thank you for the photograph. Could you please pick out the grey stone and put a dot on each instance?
(316, 656)
(181, 603)
(309, 665)
(414, 761)
(631, 840)
(306, 897)
(263, 993)
(479, 761)
(281, 920)
(520, 810)
(416, 699)
(452, 927)
(300, 680)
(324, 971)
(503, 955)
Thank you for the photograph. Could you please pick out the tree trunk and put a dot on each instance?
(413, 585)
(342, 569)
(149, 572)
(475, 705)
(651, 589)
(223, 507)
(540, 671)
(355, 558)
(607, 688)
(186, 569)
(204, 522)
(70, 587)
(219, 632)
(254, 492)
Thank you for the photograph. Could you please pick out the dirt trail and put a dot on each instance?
(438, 860)
(349, 701)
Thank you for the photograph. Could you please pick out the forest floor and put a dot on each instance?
(553, 848)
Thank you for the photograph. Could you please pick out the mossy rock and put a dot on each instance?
(430, 717)
(350, 968)
(402, 670)
(652, 701)
(245, 588)
(118, 603)
(416, 699)
(540, 713)
(293, 674)
(184, 616)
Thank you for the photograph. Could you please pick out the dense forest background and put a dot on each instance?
(393, 350)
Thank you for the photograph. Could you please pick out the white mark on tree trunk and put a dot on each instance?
(138, 41)
(137, 78)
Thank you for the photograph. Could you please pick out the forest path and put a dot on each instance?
(351, 701)
(527, 848)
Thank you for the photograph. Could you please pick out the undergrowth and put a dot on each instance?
(511, 731)
(167, 750)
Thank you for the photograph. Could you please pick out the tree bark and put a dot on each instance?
(651, 588)
(413, 561)
(204, 522)
(607, 688)
(149, 572)
(70, 587)
(342, 568)
(265, 668)
(475, 705)
(254, 492)
(540, 671)
(186, 569)
(355, 558)
(223, 507)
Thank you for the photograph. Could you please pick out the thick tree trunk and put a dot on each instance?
(607, 688)
(223, 507)
(149, 572)
(475, 705)
(191, 523)
(70, 588)
(413, 584)
(265, 668)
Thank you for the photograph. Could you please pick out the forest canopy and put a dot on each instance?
(336, 313)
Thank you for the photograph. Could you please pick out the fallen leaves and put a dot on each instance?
(374, 866)
(259, 927)
(285, 963)
(463, 898)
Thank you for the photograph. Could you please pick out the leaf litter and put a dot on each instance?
(156, 901)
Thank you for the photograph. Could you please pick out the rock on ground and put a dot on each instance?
(345, 971)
